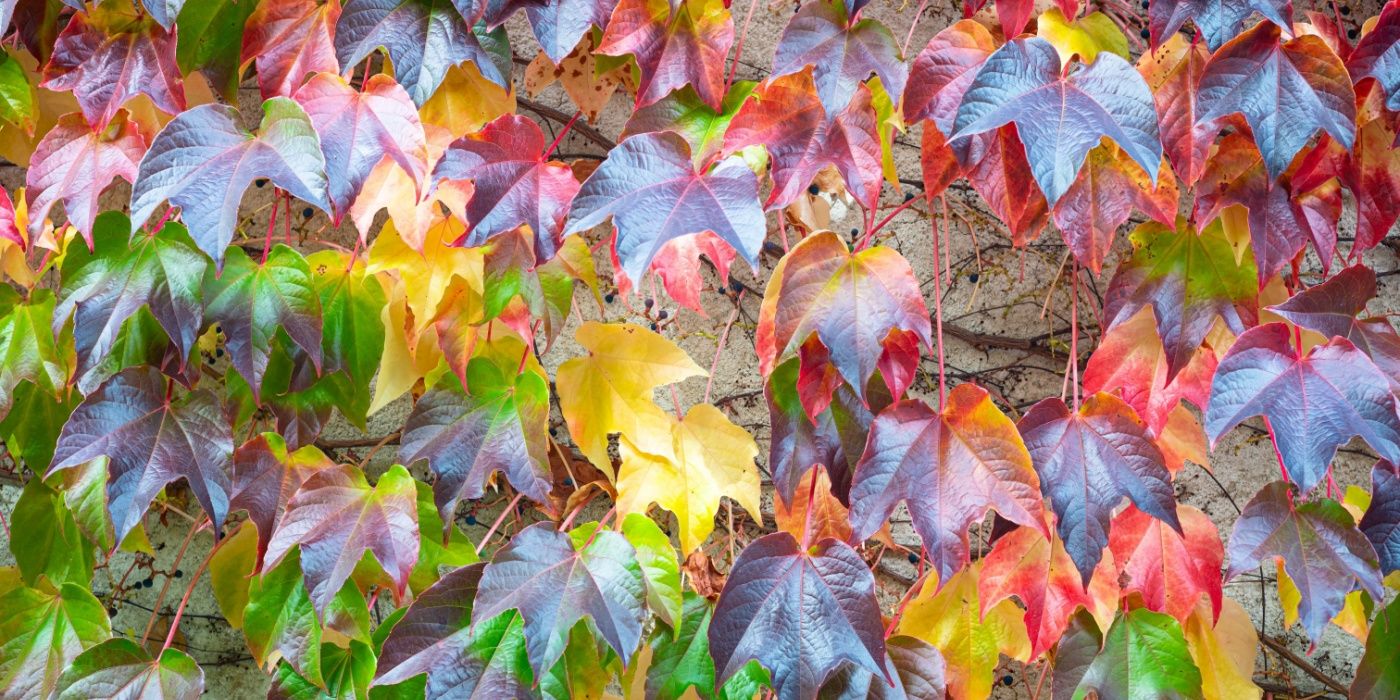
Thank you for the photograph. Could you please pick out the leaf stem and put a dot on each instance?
(185, 599)
(1074, 331)
(271, 226)
(560, 136)
(499, 519)
(918, 14)
(160, 597)
(723, 337)
(938, 302)
(739, 46)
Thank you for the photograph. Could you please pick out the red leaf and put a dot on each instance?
(1103, 197)
(106, 59)
(1377, 55)
(997, 168)
(1130, 361)
(943, 71)
(265, 475)
(1173, 72)
(1039, 572)
(1013, 15)
(288, 40)
(1170, 570)
(75, 164)
(1331, 308)
(786, 117)
(674, 47)
(950, 468)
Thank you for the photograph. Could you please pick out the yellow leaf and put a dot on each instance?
(406, 359)
(588, 84)
(1085, 37)
(1224, 651)
(610, 390)
(971, 645)
(887, 121)
(1234, 220)
(465, 102)
(1352, 618)
(427, 275)
(685, 467)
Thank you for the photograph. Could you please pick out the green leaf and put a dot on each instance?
(352, 330)
(1144, 656)
(255, 302)
(279, 618)
(102, 288)
(582, 672)
(1378, 675)
(42, 631)
(660, 569)
(348, 671)
(747, 683)
(681, 660)
(684, 113)
(118, 664)
(28, 349)
(31, 429)
(231, 572)
(52, 545)
(16, 94)
(84, 490)
(210, 36)
(433, 553)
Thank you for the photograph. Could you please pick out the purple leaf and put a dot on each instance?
(288, 40)
(424, 39)
(265, 475)
(560, 24)
(203, 161)
(802, 614)
(950, 468)
(1218, 20)
(1060, 117)
(76, 163)
(554, 586)
(1322, 551)
(916, 666)
(1377, 55)
(943, 71)
(654, 195)
(513, 183)
(359, 128)
(337, 517)
(107, 58)
(151, 440)
(841, 52)
(1286, 91)
(1381, 523)
(1314, 404)
(1088, 463)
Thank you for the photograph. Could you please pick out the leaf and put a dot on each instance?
(1089, 461)
(17, 102)
(1378, 672)
(842, 50)
(287, 40)
(560, 26)
(942, 72)
(231, 572)
(31, 428)
(75, 164)
(851, 302)
(352, 334)
(1190, 280)
(254, 301)
(1381, 522)
(1218, 20)
(1130, 361)
(1224, 651)
(203, 161)
(996, 166)
(589, 84)
(152, 440)
(1060, 118)
(29, 350)
(683, 112)
(680, 659)
(162, 272)
(110, 56)
(580, 673)
(1084, 37)
(1109, 187)
(662, 572)
(54, 548)
(514, 183)
(359, 128)
(950, 467)
(801, 614)
(915, 666)
(279, 619)
(1170, 570)
(835, 438)
(815, 513)
(1318, 543)
(644, 185)
(265, 475)
(686, 466)
(116, 665)
(950, 618)
(211, 41)
(1040, 572)
(42, 632)
(787, 119)
(422, 37)
(1377, 55)
(1144, 655)
(437, 638)
(336, 516)
(1314, 404)
(675, 44)
(553, 587)
(1074, 654)
(498, 424)
(1286, 92)
(1173, 72)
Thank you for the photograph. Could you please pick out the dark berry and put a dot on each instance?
(813, 190)
(974, 277)
(653, 326)
(1351, 34)
(260, 181)
(1144, 4)
(148, 582)
(471, 519)
(854, 232)
(568, 481)
(111, 612)
(307, 212)
(734, 286)
(649, 302)
(553, 432)
(913, 558)
(1346, 11)
(218, 352)
(608, 297)
(1007, 679)
(662, 315)
(1145, 34)
(179, 573)
(908, 196)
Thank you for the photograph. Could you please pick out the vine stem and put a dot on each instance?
(185, 599)
(918, 14)
(870, 234)
(160, 597)
(723, 337)
(1074, 331)
(499, 519)
(271, 226)
(938, 301)
(739, 46)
